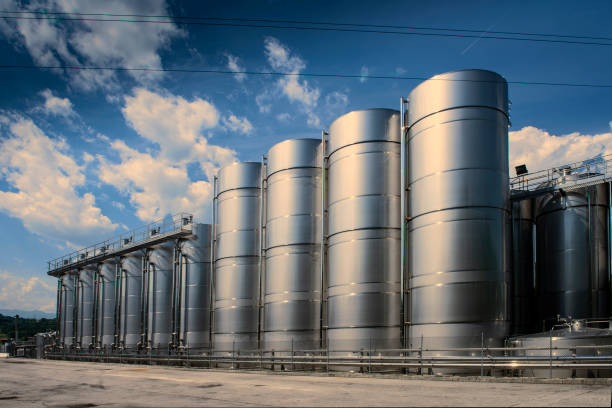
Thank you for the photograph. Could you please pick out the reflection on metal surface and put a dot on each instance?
(292, 299)
(458, 246)
(106, 304)
(159, 332)
(130, 297)
(194, 286)
(572, 248)
(364, 231)
(67, 309)
(85, 307)
(237, 257)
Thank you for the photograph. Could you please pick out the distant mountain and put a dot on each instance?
(28, 314)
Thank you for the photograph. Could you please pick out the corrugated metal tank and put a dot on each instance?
(237, 257)
(572, 250)
(67, 299)
(292, 300)
(458, 232)
(159, 331)
(106, 304)
(523, 267)
(364, 231)
(130, 303)
(195, 289)
(85, 306)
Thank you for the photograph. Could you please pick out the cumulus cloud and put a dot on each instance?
(539, 149)
(75, 43)
(283, 117)
(158, 183)
(18, 292)
(233, 64)
(54, 105)
(263, 102)
(236, 124)
(364, 74)
(43, 179)
(336, 100)
(281, 58)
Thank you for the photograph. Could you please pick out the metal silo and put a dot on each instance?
(573, 258)
(194, 284)
(523, 267)
(105, 319)
(85, 306)
(364, 231)
(237, 258)
(67, 310)
(129, 306)
(160, 290)
(458, 232)
(292, 300)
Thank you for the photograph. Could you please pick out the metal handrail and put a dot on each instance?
(177, 222)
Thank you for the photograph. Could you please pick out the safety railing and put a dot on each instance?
(168, 225)
(569, 175)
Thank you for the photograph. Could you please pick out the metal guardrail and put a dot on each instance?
(568, 176)
(166, 226)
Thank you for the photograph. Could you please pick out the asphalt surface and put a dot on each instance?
(44, 383)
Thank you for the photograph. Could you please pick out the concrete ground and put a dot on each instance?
(44, 383)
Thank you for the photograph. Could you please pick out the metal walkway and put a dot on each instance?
(179, 225)
(567, 177)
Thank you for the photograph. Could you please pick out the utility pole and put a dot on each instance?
(16, 331)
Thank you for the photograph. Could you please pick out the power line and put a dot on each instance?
(329, 29)
(328, 23)
(305, 74)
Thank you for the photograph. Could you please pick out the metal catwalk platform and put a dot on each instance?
(177, 226)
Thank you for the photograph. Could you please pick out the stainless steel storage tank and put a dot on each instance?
(458, 232)
(292, 302)
(237, 257)
(573, 257)
(130, 300)
(67, 310)
(364, 231)
(523, 267)
(85, 306)
(194, 331)
(161, 270)
(106, 303)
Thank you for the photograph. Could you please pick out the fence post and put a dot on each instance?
(481, 354)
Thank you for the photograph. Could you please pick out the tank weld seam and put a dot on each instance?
(437, 173)
(297, 244)
(354, 197)
(363, 327)
(314, 215)
(246, 189)
(332, 162)
(494, 108)
(314, 166)
(464, 207)
(500, 283)
(237, 230)
(329, 236)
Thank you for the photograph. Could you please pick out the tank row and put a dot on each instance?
(395, 230)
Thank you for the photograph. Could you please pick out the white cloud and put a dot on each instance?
(118, 205)
(336, 100)
(263, 102)
(18, 292)
(364, 73)
(280, 58)
(283, 117)
(236, 124)
(54, 105)
(169, 121)
(540, 150)
(158, 183)
(43, 179)
(74, 43)
(400, 71)
(233, 64)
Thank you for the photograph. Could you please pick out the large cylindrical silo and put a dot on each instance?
(85, 306)
(194, 331)
(161, 270)
(458, 232)
(237, 257)
(107, 276)
(364, 231)
(572, 254)
(292, 300)
(523, 267)
(130, 300)
(67, 310)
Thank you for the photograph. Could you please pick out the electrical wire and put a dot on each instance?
(305, 74)
(329, 29)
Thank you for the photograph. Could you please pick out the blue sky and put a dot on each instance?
(85, 155)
